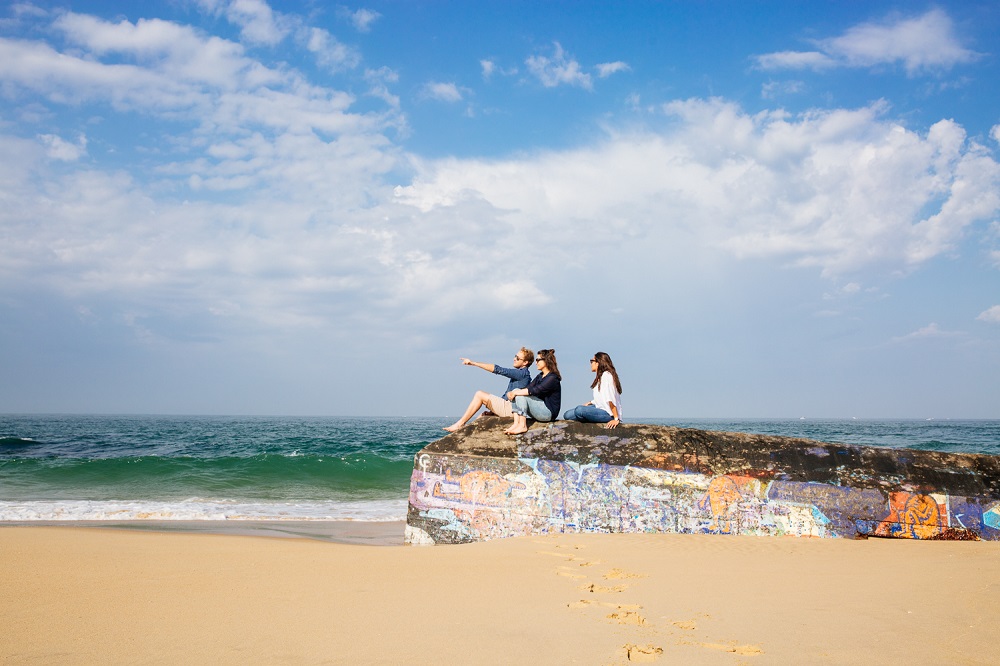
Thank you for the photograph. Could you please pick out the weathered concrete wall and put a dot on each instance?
(479, 484)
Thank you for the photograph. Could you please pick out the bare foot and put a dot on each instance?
(454, 427)
(512, 431)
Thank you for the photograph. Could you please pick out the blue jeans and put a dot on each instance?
(587, 414)
(529, 405)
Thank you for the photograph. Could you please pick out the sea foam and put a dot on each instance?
(201, 509)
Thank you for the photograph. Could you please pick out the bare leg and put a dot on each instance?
(480, 399)
(520, 425)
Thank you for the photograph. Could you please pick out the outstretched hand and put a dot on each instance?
(465, 361)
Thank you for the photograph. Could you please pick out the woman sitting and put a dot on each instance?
(542, 397)
(606, 406)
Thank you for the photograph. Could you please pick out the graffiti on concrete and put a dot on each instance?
(476, 487)
(574, 484)
(914, 516)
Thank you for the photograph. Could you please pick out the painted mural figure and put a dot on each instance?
(542, 397)
(606, 407)
(911, 515)
(721, 499)
(498, 405)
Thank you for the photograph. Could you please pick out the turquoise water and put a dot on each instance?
(284, 468)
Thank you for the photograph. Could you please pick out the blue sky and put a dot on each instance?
(772, 209)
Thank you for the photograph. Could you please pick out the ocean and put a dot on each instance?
(215, 468)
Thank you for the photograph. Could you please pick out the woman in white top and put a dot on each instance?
(606, 407)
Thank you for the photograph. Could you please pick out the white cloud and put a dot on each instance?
(330, 52)
(558, 70)
(929, 332)
(606, 69)
(991, 315)
(995, 133)
(921, 44)
(379, 79)
(294, 222)
(520, 294)
(489, 68)
(59, 149)
(772, 89)
(176, 73)
(840, 190)
(445, 92)
(258, 23)
(795, 60)
(363, 19)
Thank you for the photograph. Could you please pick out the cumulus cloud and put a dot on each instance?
(330, 52)
(840, 190)
(445, 92)
(606, 69)
(920, 44)
(275, 200)
(559, 69)
(991, 315)
(173, 72)
(363, 19)
(258, 23)
(59, 149)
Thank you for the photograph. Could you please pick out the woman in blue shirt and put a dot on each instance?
(541, 399)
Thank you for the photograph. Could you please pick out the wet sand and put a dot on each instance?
(92, 595)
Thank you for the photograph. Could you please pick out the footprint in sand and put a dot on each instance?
(688, 625)
(569, 557)
(622, 616)
(642, 653)
(594, 587)
(619, 574)
(570, 574)
(619, 608)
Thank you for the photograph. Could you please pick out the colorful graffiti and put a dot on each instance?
(913, 516)
(477, 487)
(459, 498)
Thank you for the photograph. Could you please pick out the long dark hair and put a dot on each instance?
(604, 364)
(549, 356)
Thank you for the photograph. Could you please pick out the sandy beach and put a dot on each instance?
(84, 595)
